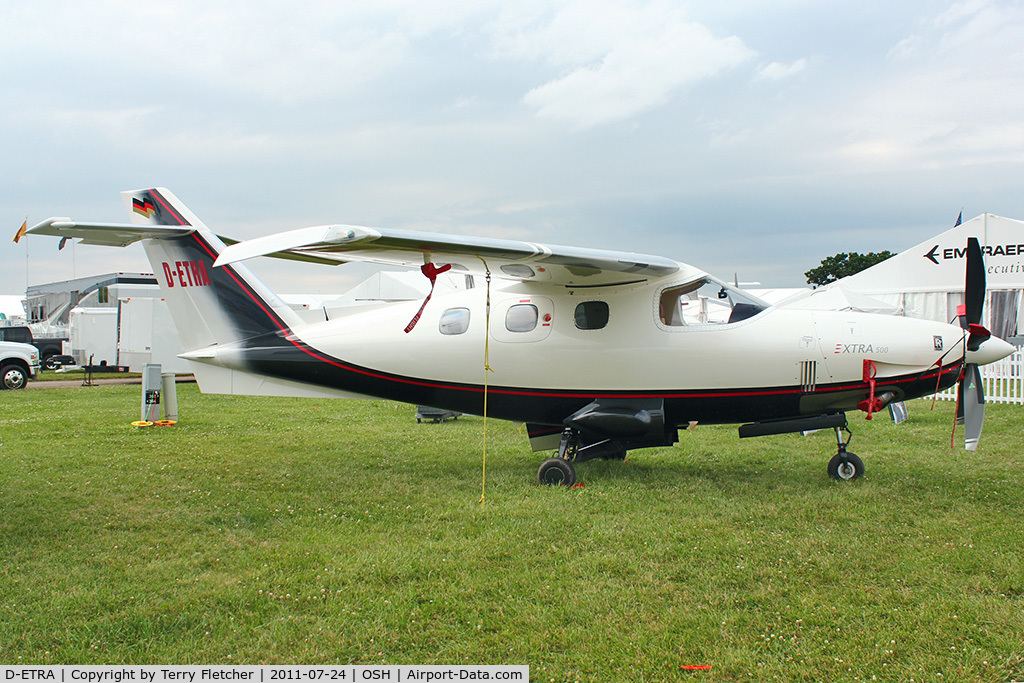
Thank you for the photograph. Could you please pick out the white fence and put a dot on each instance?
(1003, 381)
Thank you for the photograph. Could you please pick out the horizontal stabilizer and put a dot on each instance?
(107, 234)
(123, 234)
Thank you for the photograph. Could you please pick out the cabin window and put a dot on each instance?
(454, 321)
(706, 301)
(591, 315)
(518, 270)
(521, 318)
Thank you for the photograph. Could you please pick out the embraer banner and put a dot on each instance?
(961, 252)
(937, 265)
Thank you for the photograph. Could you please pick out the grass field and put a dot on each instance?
(303, 531)
(80, 375)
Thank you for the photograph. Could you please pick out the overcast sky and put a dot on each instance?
(742, 137)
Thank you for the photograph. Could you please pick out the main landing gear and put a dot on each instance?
(844, 465)
(560, 471)
(556, 472)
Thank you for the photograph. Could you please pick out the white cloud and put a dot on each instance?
(777, 71)
(618, 60)
(289, 53)
(960, 11)
(948, 95)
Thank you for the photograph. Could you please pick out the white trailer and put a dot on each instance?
(146, 334)
(93, 336)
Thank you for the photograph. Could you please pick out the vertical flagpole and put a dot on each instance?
(28, 313)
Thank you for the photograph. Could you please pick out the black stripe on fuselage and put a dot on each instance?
(284, 356)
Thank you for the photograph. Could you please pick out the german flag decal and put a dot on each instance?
(143, 207)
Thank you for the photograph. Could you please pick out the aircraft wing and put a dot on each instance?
(507, 259)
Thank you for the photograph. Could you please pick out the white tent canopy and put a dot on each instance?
(937, 264)
(836, 297)
(927, 281)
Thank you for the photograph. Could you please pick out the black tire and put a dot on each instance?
(556, 471)
(13, 376)
(50, 362)
(845, 467)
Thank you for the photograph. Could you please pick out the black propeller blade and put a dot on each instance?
(970, 394)
(974, 287)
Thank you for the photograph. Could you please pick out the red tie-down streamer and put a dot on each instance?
(431, 271)
(871, 404)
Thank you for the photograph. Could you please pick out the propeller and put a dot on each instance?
(970, 403)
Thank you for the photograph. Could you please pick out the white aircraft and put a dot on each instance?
(598, 352)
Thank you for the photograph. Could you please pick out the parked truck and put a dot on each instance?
(50, 348)
(18, 363)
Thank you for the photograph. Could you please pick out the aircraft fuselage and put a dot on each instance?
(778, 363)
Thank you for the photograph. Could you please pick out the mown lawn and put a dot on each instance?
(265, 530)
(80, 375)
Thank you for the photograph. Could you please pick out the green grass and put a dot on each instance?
(69, 375)
(305, 531)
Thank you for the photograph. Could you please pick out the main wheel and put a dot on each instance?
(845, 467)
(13, 377)
(556, 471)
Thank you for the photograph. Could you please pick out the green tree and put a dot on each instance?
(842, 265)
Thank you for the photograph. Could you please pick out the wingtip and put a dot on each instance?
(50, 225)
(301, 238)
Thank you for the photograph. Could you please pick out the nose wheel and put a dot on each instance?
(844, 465)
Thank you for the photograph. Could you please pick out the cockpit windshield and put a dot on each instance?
(706, 301)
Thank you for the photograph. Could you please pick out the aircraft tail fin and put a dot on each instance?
(210, 306)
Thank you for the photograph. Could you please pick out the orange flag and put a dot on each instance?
(21, 231)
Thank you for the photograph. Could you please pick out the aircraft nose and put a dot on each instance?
(991, 350)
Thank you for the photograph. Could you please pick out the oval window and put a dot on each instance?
(518, 270)
(454, 321)
(591, 315)
(521, 318)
